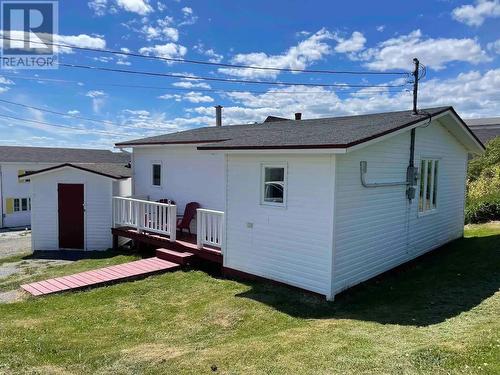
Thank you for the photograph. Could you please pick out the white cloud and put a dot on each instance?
(160, 33)
(192, 97)
(169, 50)
(189, 84)
(197, 97)
(354, 44)
(475, 15)
(381, 28)
(494, 46)
(98, 98)
(98, 6)
(82, 41)
(73, 112)
(300, 56)
(187, 11)
(140, 7)
(473, 94)
(189, 17)
(5, 81)
(161, 6)
(213, 56)
(95, 94)
(398, 53)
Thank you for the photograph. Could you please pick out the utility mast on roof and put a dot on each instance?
(415, 85)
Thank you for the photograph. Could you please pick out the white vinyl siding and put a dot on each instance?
(377, 229)
(188, 175)
(13, 188)
(289, 244)
(98, 212)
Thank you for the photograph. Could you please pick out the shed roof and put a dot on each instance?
(115, 171)
(60, 155)
(331, 132)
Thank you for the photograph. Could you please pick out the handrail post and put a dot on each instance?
(173, 222)
(199, 231)
(139, 216)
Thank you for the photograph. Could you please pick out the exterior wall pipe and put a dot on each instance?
(362, 170)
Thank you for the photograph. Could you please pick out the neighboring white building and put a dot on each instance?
(318, 204)
(15, 206)
(72, 205)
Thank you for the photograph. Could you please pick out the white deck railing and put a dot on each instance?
(144, 215)
(209, 228)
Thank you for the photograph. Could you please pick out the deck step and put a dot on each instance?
(182, 258)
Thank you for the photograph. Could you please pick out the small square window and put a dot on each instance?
(273, 185)
(156, 170)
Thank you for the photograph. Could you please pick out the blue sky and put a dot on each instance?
(457, 41)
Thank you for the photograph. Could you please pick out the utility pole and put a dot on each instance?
(415, 85)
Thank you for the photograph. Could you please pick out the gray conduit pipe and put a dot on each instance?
(362, 170)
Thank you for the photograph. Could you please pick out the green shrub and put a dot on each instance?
(483, 196)
(490, 158)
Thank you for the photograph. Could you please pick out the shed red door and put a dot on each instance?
(71, 216)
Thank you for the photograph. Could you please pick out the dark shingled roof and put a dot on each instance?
(60, 155)
(485, 128)
(111, 170)
(333, 132)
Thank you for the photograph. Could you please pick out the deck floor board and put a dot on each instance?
(101, 276)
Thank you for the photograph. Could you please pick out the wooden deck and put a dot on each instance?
(184, 243)
(102, 276)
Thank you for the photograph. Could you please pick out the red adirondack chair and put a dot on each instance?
(189, 212)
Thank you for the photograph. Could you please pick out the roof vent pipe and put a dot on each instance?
(218, 115)
(298, 116)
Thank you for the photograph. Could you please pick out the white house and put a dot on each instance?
(15, 205)
(71, 204)
(320, 204)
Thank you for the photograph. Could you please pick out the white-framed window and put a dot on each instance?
(156, 173)
(273, 184)
(429, 181)
(22, 204)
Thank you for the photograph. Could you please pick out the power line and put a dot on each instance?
(220, 91)
(62, 126)
(105, 122)
(229, 80)
(200, 62)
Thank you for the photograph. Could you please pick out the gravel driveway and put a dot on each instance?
(14, 243)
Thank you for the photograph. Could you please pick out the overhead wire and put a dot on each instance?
(202, 62)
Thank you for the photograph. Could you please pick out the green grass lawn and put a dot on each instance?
(439, 314)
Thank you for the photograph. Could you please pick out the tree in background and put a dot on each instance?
(483, 185)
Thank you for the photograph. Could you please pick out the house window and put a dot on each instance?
(429, 173)
(22, 204)
(156, 171)
(274, 185)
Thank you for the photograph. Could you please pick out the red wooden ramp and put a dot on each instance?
(101, 276)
